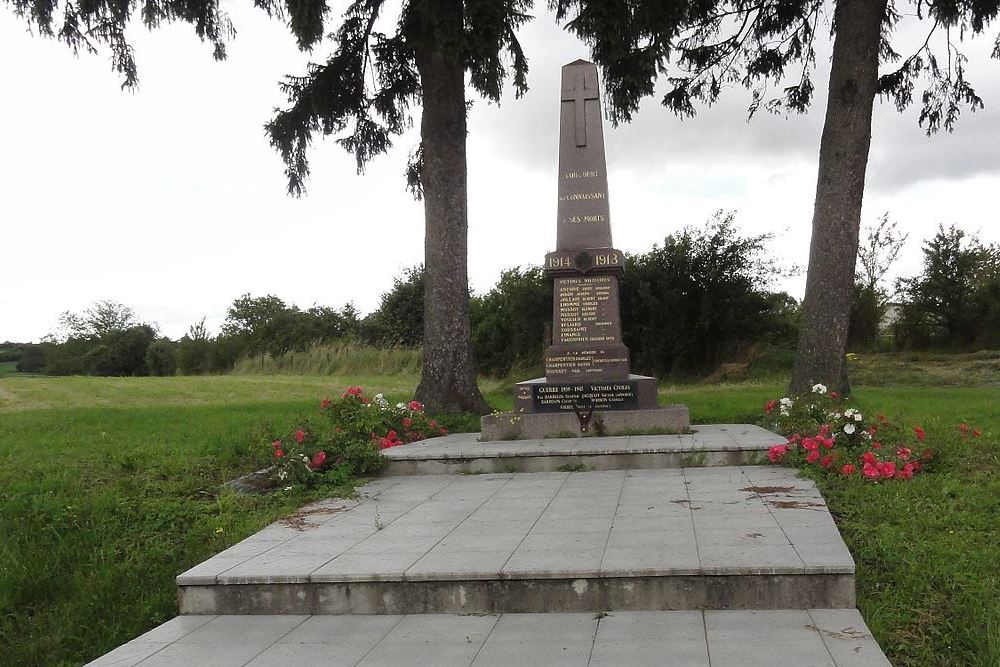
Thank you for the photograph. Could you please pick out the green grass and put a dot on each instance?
(109, 488)
(7, 368)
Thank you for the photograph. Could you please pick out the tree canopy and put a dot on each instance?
(705, 46)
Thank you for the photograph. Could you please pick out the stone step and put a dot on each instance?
(695, 538)
(803, 638)
(706, 445)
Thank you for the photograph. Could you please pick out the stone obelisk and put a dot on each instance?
(586, 323)
(587, 386)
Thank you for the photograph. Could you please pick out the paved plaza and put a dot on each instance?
(799, 638)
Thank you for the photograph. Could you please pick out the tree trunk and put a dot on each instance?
(843, 160)
(447, 378)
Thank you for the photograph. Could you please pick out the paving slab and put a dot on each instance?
(804, 638)
(731, 537)
(706, 445)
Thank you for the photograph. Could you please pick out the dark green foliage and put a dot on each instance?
(700, 299)
(120, 353)
(399, 319)
(955, 302)
(364, 92)
(106, 339)
(32, 359)
(161, 358)
(11, 351)
(704, 46)
(267, 325)
(510, 322)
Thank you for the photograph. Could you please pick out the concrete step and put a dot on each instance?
(803, 638)
(696, 538)
(707, 445)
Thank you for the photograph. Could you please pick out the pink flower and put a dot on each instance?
(871, 472)
(903, 453)
(963, 427)
(812, 456)
(824, 430)
(888, 469)
(827, 460)
(847, 469)
(325, 403)
(416, 406)
(317, 460)
(906, 472)
(920, 433)
(407, 422)
(795, 439)
(276, 444)
(976, 433)
(300, 435)
(356, 392)
(443, 431)
(777, 453)
(834, 395)
(770, 406)
(827, 442)
(810, 444)
(278, 453)
(869, 458)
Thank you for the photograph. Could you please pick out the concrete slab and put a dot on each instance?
(815, 637)
(644, 539)
(708, 445)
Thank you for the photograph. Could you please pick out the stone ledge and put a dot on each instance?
(592, 594)
(515, 426)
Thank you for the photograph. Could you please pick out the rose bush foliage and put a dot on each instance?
(825, 432)
(347, 438)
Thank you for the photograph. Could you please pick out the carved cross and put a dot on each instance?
(579, 94)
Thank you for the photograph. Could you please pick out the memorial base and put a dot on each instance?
(552, 409)
(532, 426)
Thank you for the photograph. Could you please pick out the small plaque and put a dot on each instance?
(603, 396)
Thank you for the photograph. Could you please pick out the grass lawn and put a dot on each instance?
(109, 488)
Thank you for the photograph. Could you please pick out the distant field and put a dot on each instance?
(7, 368)
(109, 488)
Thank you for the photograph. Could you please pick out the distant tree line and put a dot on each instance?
(700, 299)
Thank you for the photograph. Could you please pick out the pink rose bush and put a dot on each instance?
(348, 438)
(824, 432)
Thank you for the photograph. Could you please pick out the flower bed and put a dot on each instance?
(348, 438)
(824, 432)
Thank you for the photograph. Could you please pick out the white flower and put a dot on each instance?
(282, 475)
(857, 416)
(784, 411)
(381, 402)
(787, 402)
(849, 412)
(819, 389)
(867, 435)
(849, 429)
(833, 415)
(400, 406)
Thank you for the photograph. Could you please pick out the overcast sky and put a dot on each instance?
(170, 200)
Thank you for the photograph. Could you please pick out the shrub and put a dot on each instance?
(825, 434)
(510, 322)
(161, 357)
(954, 303)
(349, 438)
(399, 319)
(700, 299)
(32, 359)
